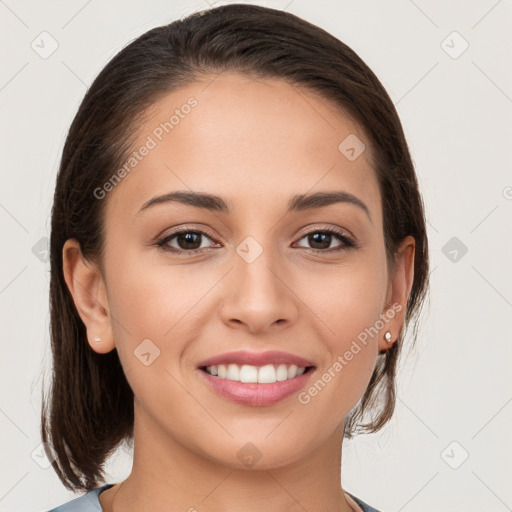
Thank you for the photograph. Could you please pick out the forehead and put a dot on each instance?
(245, 138)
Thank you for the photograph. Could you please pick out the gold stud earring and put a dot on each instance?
(387, 337)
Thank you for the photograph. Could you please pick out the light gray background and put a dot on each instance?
(456, 114)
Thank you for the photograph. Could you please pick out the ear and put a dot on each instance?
(399, 289)
(89, 294)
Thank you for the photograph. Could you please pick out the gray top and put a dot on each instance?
(90, 502)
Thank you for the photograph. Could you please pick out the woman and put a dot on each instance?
(238, 244)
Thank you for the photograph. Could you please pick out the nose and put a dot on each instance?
(258, 296)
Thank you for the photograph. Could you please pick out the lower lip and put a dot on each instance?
(254, 393)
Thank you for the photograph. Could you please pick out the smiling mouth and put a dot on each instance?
(266, 374)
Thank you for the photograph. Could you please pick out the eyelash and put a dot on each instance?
(348, 243)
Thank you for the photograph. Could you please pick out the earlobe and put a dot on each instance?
(400, 287)
(87, 288)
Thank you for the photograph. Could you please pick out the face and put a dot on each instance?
(259, 269)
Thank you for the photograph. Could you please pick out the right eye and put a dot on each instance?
(187, 241)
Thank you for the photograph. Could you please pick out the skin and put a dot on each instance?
(256, 143)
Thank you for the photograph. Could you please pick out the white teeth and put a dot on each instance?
(281, 372)
(267, 374)
(263, 374)
(233, 372)
(292, 371)
(248, 373)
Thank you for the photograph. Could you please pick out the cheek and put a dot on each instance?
(349, 302)
(348, 298)
(159, 303)
(149, 330)
(148, 296)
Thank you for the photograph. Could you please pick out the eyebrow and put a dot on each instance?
(297, 203)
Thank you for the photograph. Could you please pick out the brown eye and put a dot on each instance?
(185, 241)
(321, 240)
(188, 240)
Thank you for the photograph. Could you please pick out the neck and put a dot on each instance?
(167, 476)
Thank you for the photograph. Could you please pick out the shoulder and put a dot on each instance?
(89, 502)
(364, 506)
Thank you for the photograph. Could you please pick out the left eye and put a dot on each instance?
(321, 240)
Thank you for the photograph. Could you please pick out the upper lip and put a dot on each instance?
(256, 359)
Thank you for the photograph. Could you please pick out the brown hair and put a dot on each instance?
(89, 411)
